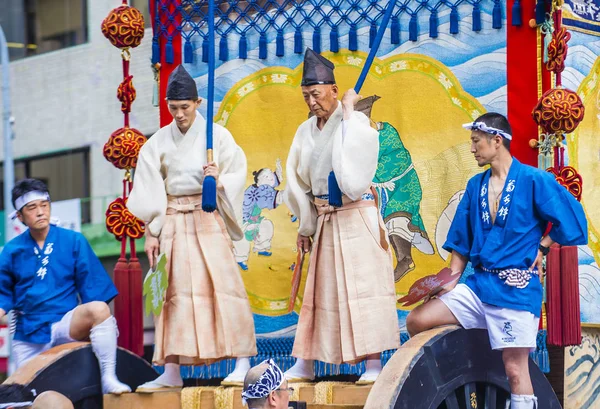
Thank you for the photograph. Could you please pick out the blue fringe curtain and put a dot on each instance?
(280, 350)
(253, 25)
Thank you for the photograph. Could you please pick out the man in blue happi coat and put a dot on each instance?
(43, 272)
(499, 227)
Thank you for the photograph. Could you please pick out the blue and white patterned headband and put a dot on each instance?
(480, 126)
(268, 382)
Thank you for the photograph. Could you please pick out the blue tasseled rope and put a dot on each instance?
(169, 57)
(205, 49)
(372, 34)
(155, 50)
(223, 50)
(262, 46)
(353, 38)
(317, 40)
(516, 13)
(334, 40)
(395, 30)
(540, 12)
(279, 46)
(476, 17)
(188, 52)
(298, 41)
(413, 28)
(454, 20)
(243, 52)
(433, 24)
(497, 15)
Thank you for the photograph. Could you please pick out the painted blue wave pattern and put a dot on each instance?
(582, 382)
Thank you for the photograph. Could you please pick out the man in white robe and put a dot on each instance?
(206, 316)
(349, 305)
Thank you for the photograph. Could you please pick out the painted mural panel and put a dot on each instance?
(582, 372)
(582, 74)
(428, 88)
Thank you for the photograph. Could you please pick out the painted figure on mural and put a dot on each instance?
(206, 315)
(444, 222)
(44, 273)
(258, 230)
(498, 227)
(400, 196)
(348, 312)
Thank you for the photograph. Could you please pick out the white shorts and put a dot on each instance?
(507, 328)
(23, 351)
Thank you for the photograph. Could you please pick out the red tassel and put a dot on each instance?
(122, 302)
(553, 297)
(571, 321)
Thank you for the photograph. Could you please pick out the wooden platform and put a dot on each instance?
(323, 395)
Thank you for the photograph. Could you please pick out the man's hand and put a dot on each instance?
(443, 291)
(539, 263)
(349, 100)
(2, 313)
(152, 249)
(211, 169)
(303, 243)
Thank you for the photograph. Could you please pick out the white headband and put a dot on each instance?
(480, 126)
(30, 197)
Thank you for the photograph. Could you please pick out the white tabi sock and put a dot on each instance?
(104, 345)
(303, 369)
(523, 401)
(372, 369)
(242, 366)
(172, 375)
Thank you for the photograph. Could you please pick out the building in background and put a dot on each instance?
(64, 76)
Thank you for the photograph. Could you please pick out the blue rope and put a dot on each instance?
(254, 26)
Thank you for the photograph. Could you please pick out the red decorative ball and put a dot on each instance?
(121, 222)
(557, 50)
(559, 111)
(124, 27)
(569, 178)
(123, 147)
(126, 94)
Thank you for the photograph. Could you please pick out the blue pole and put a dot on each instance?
(209, 187)
(375, 47)
(334, 191)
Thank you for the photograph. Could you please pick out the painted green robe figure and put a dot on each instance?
(400, 195)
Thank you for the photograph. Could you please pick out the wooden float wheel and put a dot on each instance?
(450, 368)
(73, 370)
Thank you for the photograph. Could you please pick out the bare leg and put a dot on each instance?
(516, 365)
(429, 315)
(93, 320)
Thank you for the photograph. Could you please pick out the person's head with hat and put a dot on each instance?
(320, 90)
(265, 387)
(182, 98)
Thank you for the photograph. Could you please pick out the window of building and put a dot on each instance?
(66, 173)
(38, 26)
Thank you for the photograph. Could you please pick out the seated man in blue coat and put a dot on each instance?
(43, 273)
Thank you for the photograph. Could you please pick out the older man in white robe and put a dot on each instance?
(349, 306)
(206, 316)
